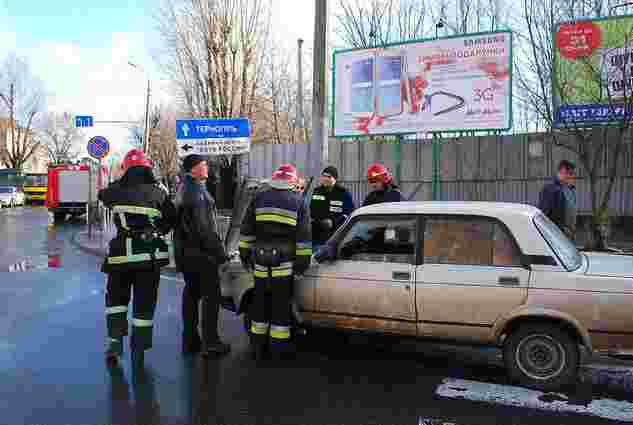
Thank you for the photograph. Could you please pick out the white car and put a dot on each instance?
(484, 273)
(11, 196)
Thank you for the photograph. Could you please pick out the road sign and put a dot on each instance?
(98, 147)
(230, 136)
(83, 121)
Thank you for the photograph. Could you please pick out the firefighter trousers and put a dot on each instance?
(270, 308)
(119, 289)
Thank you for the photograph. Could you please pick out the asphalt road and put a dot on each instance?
(52, 371)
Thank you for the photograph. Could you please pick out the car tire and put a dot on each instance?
(541, 356)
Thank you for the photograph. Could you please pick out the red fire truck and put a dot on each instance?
(69, 189)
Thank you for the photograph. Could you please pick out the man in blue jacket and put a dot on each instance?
(558, 199)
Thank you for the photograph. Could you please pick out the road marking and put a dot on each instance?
(522, 397)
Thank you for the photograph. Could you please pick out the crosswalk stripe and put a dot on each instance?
(522, 397)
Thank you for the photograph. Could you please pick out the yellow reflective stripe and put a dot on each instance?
(276, 219)
(259, 328)
(280, 332)
(303, 245)
(281, 273)
(303, 252)
(142, 323)
(123, 220)
(245, 244)
(276, 211)
(339, 203)
(132, 209)
(130, 258)
(116, 309)
(261, 274)
(318, 197)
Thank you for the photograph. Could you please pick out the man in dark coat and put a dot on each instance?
(199, 254)
(558, 199)
(381, 186)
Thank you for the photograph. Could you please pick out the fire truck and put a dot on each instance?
(35, 186)
(69, 189)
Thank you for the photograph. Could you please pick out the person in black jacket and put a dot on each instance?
(557, 200)
(199, 254)
(142, 214)
(330, 206)
(381, 186)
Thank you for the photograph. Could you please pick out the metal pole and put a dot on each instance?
(319, 97)
(398, 159)
(436, 174)
(146, 131)
(299, 90)
(89, 206)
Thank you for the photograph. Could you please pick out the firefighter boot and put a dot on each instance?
(114, 349)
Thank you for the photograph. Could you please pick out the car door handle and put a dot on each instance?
(509, 280)
(401, 276)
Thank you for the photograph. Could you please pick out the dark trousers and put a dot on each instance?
(203, 286)
(119, 289)
(270, 308)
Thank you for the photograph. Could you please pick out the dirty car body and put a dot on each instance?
(483, 273)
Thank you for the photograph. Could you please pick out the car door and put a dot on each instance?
(370, 286)
(471, 274)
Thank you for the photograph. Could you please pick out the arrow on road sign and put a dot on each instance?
(186, 148)
(185, 129)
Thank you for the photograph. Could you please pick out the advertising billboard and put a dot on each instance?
(460, 83)
(593, 70)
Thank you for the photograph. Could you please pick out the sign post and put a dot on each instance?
(231, 136)
(98, 147)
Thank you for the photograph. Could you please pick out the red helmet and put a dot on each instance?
(379, 172)
(135, 158)
(285, 177)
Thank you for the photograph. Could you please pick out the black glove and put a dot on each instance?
(324, 253)
(302, 262)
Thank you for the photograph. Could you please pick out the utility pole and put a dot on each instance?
(300, 88)
(319, 96)
(146, 132)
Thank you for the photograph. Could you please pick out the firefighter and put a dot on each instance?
(381, 186)
(143, 213)
(330, 206)
(275, 240)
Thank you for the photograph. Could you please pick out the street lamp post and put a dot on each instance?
(146, 121)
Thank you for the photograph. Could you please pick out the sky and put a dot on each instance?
(80, 50)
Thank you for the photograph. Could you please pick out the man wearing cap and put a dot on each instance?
(558, 199)
(330, 206)
(199, 253)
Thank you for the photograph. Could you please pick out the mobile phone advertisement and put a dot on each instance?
(449, 84)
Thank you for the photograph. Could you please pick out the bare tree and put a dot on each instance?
(213, 53)
(543, 77)
(163, 148)
(60, 137)
(21, 98)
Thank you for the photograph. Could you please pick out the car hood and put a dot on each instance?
(5, 196)
(610, 265)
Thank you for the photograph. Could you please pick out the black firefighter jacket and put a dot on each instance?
(142, 214)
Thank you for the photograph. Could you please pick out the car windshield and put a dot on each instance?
(562, 246)
(6, 190)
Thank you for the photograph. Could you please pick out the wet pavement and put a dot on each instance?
(52, 332)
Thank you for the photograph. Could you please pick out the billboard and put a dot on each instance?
(459, 83)
(593, 70)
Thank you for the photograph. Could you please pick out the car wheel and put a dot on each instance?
(59, 217)
(541, 356)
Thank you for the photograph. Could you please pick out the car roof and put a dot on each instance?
(489, 209)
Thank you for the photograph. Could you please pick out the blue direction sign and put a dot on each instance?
(98, 147)
(83, 121)
(213, 136)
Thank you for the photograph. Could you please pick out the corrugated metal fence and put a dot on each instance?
(490, 168)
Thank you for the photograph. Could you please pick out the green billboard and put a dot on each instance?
(593, 71)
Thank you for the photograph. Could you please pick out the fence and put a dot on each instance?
(489, 168)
